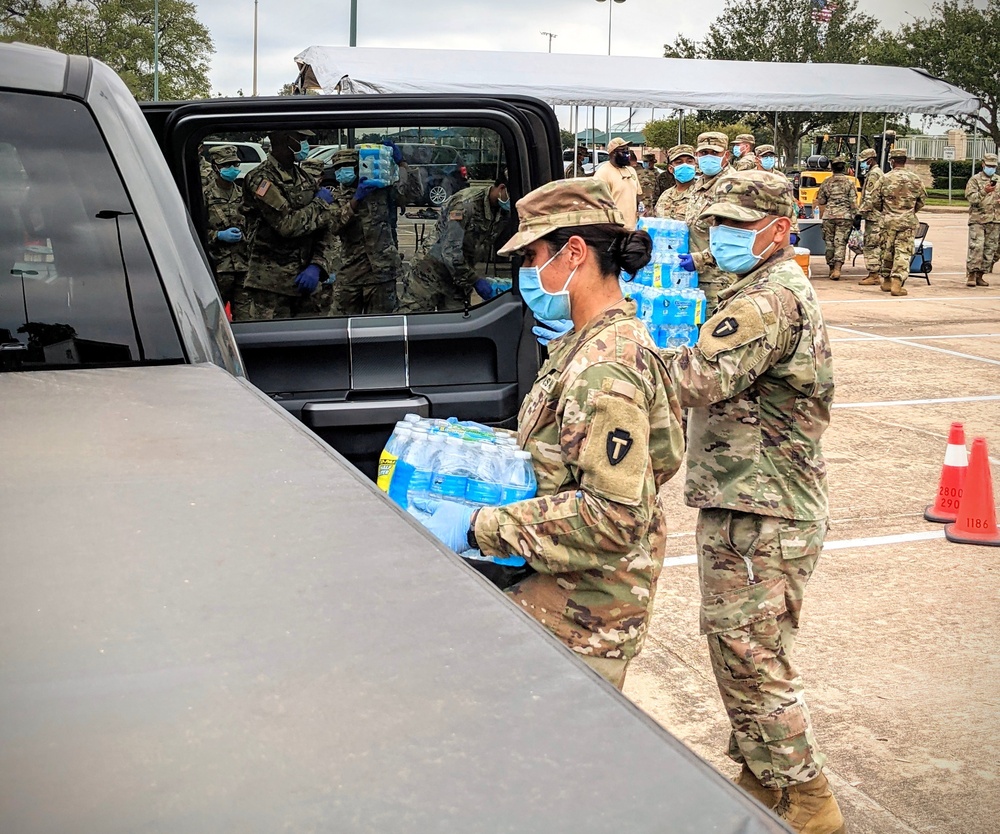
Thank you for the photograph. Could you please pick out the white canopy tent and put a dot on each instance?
(612, 81)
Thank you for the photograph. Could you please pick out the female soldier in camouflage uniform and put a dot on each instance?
(602, 424)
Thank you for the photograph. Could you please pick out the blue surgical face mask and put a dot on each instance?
(864, 166)
(303, 150)
(710, 165)
(345, 176)
(732, 248)
(549, 306)
(684, 173)
(230, 172)
(767, 162)
(737, 151)
(990, 171)
(504, 204)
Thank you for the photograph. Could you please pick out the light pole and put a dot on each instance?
(611, 5)
(550, 36)
(254, 47)
(354, 22)
(156, 50)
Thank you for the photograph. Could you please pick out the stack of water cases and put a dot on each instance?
(375, 163)
(667, 297)
(428, 461)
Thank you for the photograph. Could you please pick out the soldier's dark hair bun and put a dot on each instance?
(634, 251)
(617, 248)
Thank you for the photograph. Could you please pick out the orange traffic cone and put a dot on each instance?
(977, 515)
(949, 494)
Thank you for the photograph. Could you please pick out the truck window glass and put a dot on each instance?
(77, 283)
(423, 240)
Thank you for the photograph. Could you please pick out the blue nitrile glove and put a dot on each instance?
(793, 239)
(450, 523)
(397, 154)
(489, 288)
(366, 188)
(308, 279)
(546, 331)
(325, 195)
(686, 262)
(230, 235)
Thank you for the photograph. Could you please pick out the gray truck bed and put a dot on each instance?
(209, 622)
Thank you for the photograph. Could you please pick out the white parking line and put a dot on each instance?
(918, 338)
(844, 544)
(883, 403)
(900, 341)
(978, 299)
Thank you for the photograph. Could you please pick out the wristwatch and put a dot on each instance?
(470, 535)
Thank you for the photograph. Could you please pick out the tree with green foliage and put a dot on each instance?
(120, 33)
(784, 31)
(662, 133)
(957, 43)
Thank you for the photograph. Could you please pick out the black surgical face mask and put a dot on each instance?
(621, 159)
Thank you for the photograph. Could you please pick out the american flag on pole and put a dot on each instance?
(823, 10)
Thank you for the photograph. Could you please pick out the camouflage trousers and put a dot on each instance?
(984, 246)
(229, 283)
(873, 245)
(897, 252)
(358, 299)
(262, 305)
(427, 291)
(835, 234)
(753, 571)
(612, 669)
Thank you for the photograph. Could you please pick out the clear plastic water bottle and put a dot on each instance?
(390, 454)
(484, 485)
(418, 494)
(403, 472)
(519, 479)
(451, 471)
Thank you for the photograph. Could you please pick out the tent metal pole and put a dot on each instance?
(857, 148)
(774, 137)
(680, 126)
(575, 119)
(975, 141)
(885, 127)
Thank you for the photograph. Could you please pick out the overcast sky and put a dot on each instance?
(285, 27)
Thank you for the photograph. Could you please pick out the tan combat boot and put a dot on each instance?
(768, 797)
(885, 284)
(980, 281)
(811, 808)
(871, 281)
(835, 271)
(897, 288)
(970, 278)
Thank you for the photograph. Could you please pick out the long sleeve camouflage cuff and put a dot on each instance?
(702, 259)
(488, 532)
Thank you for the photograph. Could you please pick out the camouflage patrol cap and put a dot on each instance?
(678, 151)
(713, 141)
(989, 159)
(649, 157)
(867, 153)
(897, 153)
(221, 154)
(839, 160)
(580, 201)
(752, 195)
(765, 150)
(744, 137)
(345, 156)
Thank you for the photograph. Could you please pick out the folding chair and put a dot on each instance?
(923, 264)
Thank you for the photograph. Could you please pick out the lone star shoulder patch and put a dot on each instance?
(618, 445)
(727, 327)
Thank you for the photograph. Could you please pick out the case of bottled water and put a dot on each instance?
(375, 163)
(427, 461)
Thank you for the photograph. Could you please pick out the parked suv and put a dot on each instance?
(588, 167)
(441, 169)
(251, 154)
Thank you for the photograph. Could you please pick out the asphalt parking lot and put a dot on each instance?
(897, 643)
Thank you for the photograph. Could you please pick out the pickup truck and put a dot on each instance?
(209, 619)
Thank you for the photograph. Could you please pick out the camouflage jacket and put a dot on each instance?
(224, 210)
(369, 255)
(748, 162)
(602, 423)
(840, 197)
(673, 203)
(760, 385)
(872, 179)
(465, 234)
(701, 196)
(898, 197)
(289, 227)
(648, 187)
(983, 207)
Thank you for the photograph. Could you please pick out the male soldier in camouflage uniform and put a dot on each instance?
(372, 264)
(648, 182)
(984, 222)
(898, 197)
(673, 201)
(744, 158)
(602, 424)
(322, 302)
(838, 201)
(711, 154)
(759, 384)
(873, 219)
(443, 275)
(582, 156)
(225, 222)
(291, 241)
